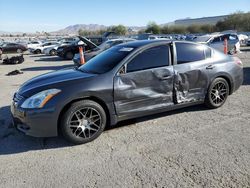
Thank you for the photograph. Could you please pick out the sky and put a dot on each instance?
(52, 15)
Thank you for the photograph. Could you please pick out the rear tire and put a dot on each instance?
(83, 122)
(217, 94)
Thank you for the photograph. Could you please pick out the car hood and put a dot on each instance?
(51, 80)
(88, 42)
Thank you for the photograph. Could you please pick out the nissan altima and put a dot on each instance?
(126, 81)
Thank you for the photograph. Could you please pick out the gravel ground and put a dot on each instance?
(191, 147)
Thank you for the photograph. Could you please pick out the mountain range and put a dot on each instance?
(73, 29)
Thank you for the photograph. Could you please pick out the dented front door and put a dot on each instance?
(143, 91)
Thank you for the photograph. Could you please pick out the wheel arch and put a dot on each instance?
(92, 98)
(228, 79)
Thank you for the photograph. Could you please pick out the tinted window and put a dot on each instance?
(216, 39)
(150, 58)
(189, 52)
(106, 60)
(233, 37)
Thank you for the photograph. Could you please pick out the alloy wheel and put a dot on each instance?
(219, 93)
(85, 123)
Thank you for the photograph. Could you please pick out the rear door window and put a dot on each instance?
(216, 39)
(188, 52)
(150, 58)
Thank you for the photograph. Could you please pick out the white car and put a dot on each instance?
(243, 38)
(39, 49)
(52, 49)
(217, 41)
(34, 44)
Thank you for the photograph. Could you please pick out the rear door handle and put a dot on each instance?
(210, 67)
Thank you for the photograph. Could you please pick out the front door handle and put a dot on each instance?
(165, 77)
(210, 67)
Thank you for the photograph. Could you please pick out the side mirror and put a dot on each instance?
(122, 70)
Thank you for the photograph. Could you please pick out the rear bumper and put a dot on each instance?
(238, 80)
(34, 122)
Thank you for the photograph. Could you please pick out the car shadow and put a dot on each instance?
(43, 68)
(245, 49)
(36, 55)
(246, 71)
(195, 108)
(49, 59)
(14, 142)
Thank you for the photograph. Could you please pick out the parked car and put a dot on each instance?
(242, 38)
(217, 41)
(13, 48)
(34, 44)
(39, 49)
(68, 51)
(126, 81)
(104, 46)
(248, 42)
(52, 49)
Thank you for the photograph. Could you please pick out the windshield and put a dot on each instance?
(106, 60)
(201, 38)
(103, 46)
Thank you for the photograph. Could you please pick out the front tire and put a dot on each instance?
(217, 94)
(52, 52)
(83, 122)
(69, 55)
(19, 51)
(37, 51)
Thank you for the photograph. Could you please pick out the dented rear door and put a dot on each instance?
(147, 84)
(191, 70)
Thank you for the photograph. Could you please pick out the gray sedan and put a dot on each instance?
(126, 81)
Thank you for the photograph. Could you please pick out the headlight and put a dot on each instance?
(40, 99)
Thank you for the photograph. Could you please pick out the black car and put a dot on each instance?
(68, 51)
(126, 81)
(104, 46)
(13, 48)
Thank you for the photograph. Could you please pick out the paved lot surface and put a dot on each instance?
(192, 147)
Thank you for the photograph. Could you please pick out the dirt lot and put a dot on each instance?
(192, 147)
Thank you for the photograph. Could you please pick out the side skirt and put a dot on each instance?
(156, 111)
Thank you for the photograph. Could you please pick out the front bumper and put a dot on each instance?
(34, 122)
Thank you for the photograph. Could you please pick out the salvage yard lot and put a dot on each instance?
(194, 146)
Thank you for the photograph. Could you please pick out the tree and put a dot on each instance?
(237, 21)
(194, 29)
(178, 29)
(119, 29)
(153, 28)
(165, 29)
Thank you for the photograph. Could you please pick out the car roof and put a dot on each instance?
(140, 43)
(120, 39)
